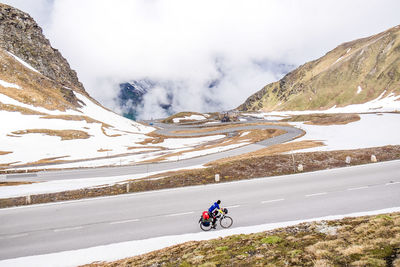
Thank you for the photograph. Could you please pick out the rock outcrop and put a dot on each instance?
(21, 35)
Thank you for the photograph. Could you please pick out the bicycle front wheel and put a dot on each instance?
(226, 222)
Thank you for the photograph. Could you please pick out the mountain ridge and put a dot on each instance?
(354, 72)
(22, 36)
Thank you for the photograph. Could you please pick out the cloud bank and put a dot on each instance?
(212, 54)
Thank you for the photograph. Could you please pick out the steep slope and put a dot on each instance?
(21, 36)
(45, 113)
(353, 73)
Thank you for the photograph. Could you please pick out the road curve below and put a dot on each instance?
(291, 133)
(47, 228)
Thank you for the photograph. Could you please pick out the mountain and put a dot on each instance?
(353, 73)
(131, 97)
(45, 112)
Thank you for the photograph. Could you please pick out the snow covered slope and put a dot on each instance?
(40, 125)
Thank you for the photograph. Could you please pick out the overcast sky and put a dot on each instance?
(188, 44)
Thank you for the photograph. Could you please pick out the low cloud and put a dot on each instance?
(212, 54)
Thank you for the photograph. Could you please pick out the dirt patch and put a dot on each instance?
(264, 166)
(360, 241)
(325, 119)
(63, 134)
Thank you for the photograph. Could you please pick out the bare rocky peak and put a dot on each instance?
(20, 35)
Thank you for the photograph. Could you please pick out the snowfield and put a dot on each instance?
(373, 130)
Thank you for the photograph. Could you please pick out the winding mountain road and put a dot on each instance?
(47, 228)
(165, 129)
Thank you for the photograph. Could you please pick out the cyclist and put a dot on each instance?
(213, 211)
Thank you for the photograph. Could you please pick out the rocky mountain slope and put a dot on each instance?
(45, 112)
(353, 73)
(21, 36)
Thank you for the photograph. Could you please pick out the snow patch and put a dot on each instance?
(192, 117)
(381, 130)
(359, 89)
(26, 65)
(10, 85)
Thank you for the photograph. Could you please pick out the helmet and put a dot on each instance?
(218, 201)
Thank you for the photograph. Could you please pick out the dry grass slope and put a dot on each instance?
(372, 63)
(64, 134)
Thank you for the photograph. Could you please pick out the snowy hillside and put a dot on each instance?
(43, 123)
(32, 133)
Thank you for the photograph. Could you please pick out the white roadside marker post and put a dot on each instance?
(300, 167)
(217, 178)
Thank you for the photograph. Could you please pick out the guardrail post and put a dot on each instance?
(28, 200)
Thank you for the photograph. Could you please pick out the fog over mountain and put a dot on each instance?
(202, 56)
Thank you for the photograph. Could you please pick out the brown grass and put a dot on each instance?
(63, 134)
(37, 90)
(14, 183)
(75, 118)
(103, 150)
(206, 129)
(105, 133)
(271, 150)
(325, 119)
(48, 160)
(13, 108)
(5, 152)
(299, 245)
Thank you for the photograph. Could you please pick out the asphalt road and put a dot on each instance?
(291, 133)
(41, 229)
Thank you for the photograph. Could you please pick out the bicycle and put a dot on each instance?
(224, 220)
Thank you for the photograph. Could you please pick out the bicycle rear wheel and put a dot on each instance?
(205, 228)
(226, 222)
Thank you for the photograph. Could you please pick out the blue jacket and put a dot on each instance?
(213, 207)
